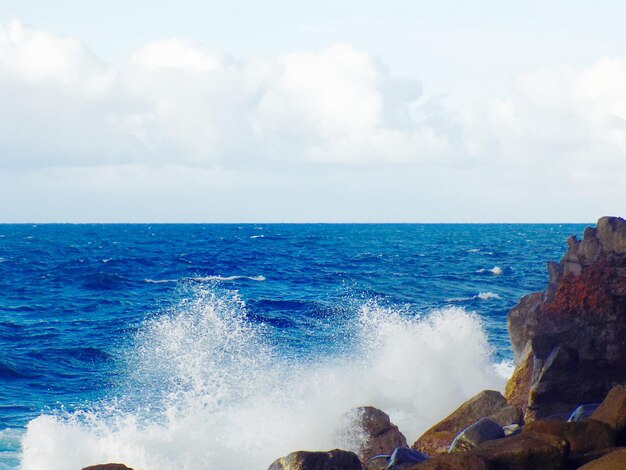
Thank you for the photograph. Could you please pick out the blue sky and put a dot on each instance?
(343, 111)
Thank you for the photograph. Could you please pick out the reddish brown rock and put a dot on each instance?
(487, 404)
(461, 461)
(615, 460)
(379, 435)
(332, 460)
(568, 340)
(575, 461)
(612, 410)
(582, 436)
(525, 451)
(108, 466)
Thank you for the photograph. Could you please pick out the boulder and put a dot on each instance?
(583, 436)
(575, 461)
(457, 461)
(108, 466)
(568, 340)
(403, 458)
(375, 431)
(612, 410)
(487, 404)
(583, 412)
(332, 460)
(485, 429)
(525, 451)
(378, 462)
(612, 461)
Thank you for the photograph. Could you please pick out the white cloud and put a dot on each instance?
(182, 119)
(177, 102)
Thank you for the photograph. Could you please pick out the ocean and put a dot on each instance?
(227, 346)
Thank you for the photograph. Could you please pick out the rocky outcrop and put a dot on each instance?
(462, 461)
(377, 434)
(487, 404)
(332, 460)
(568, 340)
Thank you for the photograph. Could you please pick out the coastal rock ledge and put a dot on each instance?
(569, 341)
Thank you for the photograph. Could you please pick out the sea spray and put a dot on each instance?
(206, 388)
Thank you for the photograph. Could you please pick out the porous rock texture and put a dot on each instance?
(569, 340)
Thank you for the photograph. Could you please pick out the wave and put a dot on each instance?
(206, 388)
(207, 279)
(479, 296)
(257, 236)
(227, 278)
(496, 271)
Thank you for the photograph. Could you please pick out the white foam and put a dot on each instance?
(159, 281)
(496, 270)
(488, 296)
(257, 236)
(227, 278)
(208, 390)
(474, 250)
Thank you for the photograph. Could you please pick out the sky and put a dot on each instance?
(325, 111)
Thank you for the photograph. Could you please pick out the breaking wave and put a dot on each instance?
(205, 388)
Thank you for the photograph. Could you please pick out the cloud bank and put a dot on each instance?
(177, 115)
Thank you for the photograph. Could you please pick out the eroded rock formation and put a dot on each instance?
(569, 341)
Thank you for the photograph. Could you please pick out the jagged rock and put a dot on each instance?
(583, 436)
(526, 451)
(612, 410)
(332, 460)
(568, 340)
(457, 461)
(487, 404)
(108, 466)
(583, 412)
(483, 430)
(612, 461)
(376, 432)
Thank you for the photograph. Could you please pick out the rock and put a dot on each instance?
(456, 461)
(568, 340)
(615, 460)
(525, 451)
(582, 412)
(485, 429)
(487, 404)
(377, 434)
(332, 460)
(378, 462)
(511, 429)
(575, 461)
(612, 410)
(108, 466)
(583, 436)
(403, 458)
(518, 386)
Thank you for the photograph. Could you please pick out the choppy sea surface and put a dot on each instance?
(227, 346)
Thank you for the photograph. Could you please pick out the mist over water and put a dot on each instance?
(205, 388)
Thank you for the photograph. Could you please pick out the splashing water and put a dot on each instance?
(207, 389)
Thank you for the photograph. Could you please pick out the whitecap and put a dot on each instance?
(257, 236)
(227, 278)
(487, 296)
(497, 270)
(159, 281)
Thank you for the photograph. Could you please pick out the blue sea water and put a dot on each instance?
(145, 343)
